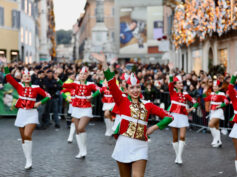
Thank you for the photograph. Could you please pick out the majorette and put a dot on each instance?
(70, 98)
(132, 145)
(179, 110)
(233, 97)
(217, 101)
(82, 110)
(108, 105)
(27, 115)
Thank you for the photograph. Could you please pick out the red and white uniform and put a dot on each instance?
(179, 107)
(26, 114)
(233, 97)
(81, 104)
(107, 98)
(132, 142)
(217, 99)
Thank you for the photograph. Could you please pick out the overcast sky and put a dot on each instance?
(67, 12)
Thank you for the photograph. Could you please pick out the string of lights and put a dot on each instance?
(197, 19)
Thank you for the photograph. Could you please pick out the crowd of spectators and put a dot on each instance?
(154, 79)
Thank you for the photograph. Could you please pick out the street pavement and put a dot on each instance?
(54, 157)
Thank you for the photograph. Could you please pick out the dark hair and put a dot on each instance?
(50, 71)
(134, 21)
(40, 72)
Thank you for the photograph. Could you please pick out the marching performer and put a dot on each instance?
(180, 112)
(69, 95)
(82, 110)
(69, 98)
(217, 101)
(131, 149)
(233, 97)
(108, 104)
(27, 115)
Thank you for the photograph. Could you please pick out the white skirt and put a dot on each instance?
(70, 109)
(108, 106)
(129, 150)
(219, 114)
(81, 112)
(116, 122)
(233, 133)
(26, 116)
(180, 120)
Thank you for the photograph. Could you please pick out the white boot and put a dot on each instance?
(180, 152)
(176, 149)
(78, 144)
(71, 133)
(213, 132)
(81, 141)
(111, 124)
(107, 125)
(218, 139)
(236, 165)
(27, 148)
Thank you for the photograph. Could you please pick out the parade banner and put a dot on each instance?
(8, 98)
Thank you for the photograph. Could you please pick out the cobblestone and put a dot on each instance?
(54, 157)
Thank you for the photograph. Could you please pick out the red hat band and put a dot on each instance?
(26, 71)
(216, 83)
(133, 80)
(178, 78)
(124, 76)
(84, 70)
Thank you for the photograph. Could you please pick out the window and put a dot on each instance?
(223, 57)
(26, 37)
(14, 55)
(26, 5)
(22, 35)
(112, 35)
(182, 61)
(3, 53)
(30, 58)
(30, 8)
(112, 12)
(22, 5)
(15, 19)
(99, 11)
(30, 39)
(1, 16)
(26, 58)
(197, 60)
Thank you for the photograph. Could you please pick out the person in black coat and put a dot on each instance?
(53, 88)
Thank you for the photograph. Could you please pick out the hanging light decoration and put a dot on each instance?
(199, 18)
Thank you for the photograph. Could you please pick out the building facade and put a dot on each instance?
(9, 30)
(205, 46)
(28, 31)
(96, 29)
(105, 21)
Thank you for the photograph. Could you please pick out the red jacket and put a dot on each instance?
(233, 97)
(106, 95)
(82, 93)
(217, 99)
(27, 95)
(179, 100)
(134, 117)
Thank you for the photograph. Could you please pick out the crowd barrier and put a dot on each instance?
(198, 118)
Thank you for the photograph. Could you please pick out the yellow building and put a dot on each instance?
(9, 29)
